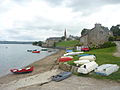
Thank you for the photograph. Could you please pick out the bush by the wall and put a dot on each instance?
(107, 44)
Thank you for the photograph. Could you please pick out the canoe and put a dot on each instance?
(69, 51)
(73, 53)
(65, 59)
(106, 69)
(22, 71)
(84, 55)
(61, 76)
(90, 57)
(35, 51)
(67, 56)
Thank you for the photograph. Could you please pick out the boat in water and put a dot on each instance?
(35, 51)
(23, 70)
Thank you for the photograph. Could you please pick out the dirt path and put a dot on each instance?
(117, 54)
(76, 83)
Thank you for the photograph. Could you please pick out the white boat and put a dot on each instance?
(80, 62)
(106, 69)
(73, 53)
(90, 57)
(87, 68)
(67, 56)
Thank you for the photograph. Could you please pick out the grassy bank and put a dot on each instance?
(104, 56)
(71, 43)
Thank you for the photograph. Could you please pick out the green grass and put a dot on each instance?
(71, 43)
(104, 56)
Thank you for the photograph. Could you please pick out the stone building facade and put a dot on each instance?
(96, 36)
(51, 41)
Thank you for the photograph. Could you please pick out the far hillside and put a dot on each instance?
(70, 43)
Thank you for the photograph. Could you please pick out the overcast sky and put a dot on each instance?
(31, 20)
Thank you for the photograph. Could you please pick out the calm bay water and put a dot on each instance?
(16, 56)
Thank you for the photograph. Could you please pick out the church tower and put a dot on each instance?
(65, 35)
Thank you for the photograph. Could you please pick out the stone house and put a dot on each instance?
(51, 41)
(96, 36)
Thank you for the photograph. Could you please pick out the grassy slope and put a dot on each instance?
(105, 56)
(67, 43)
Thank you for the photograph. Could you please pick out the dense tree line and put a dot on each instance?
(39, 43)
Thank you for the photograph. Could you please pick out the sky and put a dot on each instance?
(36, 20)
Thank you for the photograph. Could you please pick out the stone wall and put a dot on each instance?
(67, 67)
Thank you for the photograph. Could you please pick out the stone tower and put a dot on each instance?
(65, 34)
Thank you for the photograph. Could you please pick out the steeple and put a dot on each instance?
(65, 35)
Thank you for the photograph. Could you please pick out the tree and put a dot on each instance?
(115, 30)
(63, 38)
(84, 31)
(35, 43)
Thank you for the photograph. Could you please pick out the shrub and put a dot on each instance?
(107, 44)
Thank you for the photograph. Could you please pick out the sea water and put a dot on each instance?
(16, 56)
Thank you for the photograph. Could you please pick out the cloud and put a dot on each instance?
(40, 19)
(89, 7)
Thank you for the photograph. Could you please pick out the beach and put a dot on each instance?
(46, 64)
(40, 79)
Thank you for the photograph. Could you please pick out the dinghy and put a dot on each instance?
(61, 76)
(73, 53)
(35, 51)
(65, 59)
(90, 57)
(22, 71)
(84, 55)
(106, 69)
(88, 67)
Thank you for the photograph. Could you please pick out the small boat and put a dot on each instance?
(35, 51)
(84, 55)
(44, 49)
(22, 71)
(65, 59)
(90, 57)
(31, 50)
(87, 68)
(68, 51)
(85, 49)
(61, 76)
(106, 69)
(67, 56)
(73, 53)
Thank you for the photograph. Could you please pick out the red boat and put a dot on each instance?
(85, 49)
(35, 51)
(21, 71)
(65, 59)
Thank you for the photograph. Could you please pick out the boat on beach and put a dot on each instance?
(22, 71)
(61, 76)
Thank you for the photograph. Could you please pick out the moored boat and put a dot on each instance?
(35, 51)
(22, 71)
